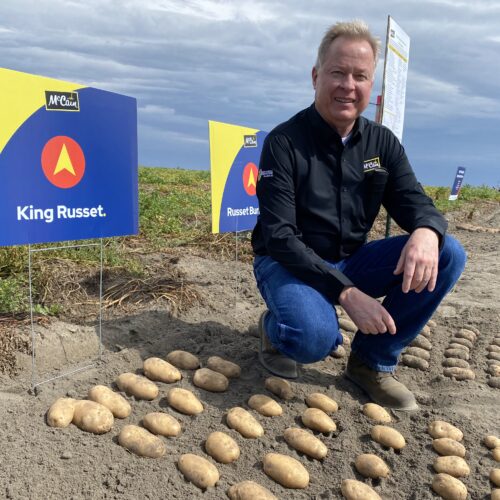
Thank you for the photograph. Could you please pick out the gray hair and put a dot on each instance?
(351, 29)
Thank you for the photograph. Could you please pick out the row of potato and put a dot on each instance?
(418, 354)
(494, 362)
(457, 354)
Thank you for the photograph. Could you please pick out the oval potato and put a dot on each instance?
(198, 470)
(494, 355)
(92, 417)
(243, 422)
(415, 362)
(318, 420)
(322, 401)
(493, 348)
(286, 471)
(356, 490)
(491, 441)
(418, 352)
(222, 447)
(339, 352)
(280, 387)
(447, 447)
(440, 429)
(495, 453)
(60, 414)
(137, 386)
(347, 325)
(141, 442)
(227, 368)
(387, 436)
(265, 405)
(249, 490)
(369, 465)
(162, 424)
(449, 487)
(464, 342)
(183, 360)
(305, 442)
(119, 406)
(494, 382)
(207, 379)
(431, 323)
(184, 401)
(459, 373)
(160, 370)
(495, 477)
(454, 466)
(426, 331)
(459, 363)
(376, 412)
(456, 353)
(495, 494)
(466, 334)
(494, 370)
(421, 342)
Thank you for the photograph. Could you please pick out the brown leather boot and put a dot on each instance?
(383, 388)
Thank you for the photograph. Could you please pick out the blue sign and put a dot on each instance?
(457, 183)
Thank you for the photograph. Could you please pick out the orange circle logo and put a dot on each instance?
(63, 162)
(250, 173)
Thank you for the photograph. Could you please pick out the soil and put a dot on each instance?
(41, 462)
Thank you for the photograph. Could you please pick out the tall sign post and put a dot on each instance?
(457, 184)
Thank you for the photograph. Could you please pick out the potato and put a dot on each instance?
(347, 325)
(160, 370)
(356, 490)
(387, 436)
(496, 341)
(447, 447)
(265, 405)
(491, 441)
(286, 471)
(494, 382)
(459, 363)
(184, 401)
(339, 352)
(119, 406)
(465, 342)
(305, 442)
(141, 442)
(183, 360)
(322, 401)
(318, 420)
(454, 466)
(243, 422)
(198, 470)
(495, 453)
(448, 487)
(227, 368)
(376, 412)
(421, 342)
(494, 370)
(494, 355)
(456, 345)
(60, 414)
(93, 417)
(459, 373)
(369, 465)
(418, 352)
(466, 334)
(440, 429)
(162, 423)
(207, 379)
(222, 447)
(431, 323)
(415, 362)
(456, 353)
(495, 494)
(280, 387)
(474, 329)
(249, 490)
(493, 348)
(426, 331)
(346, 341)
(138, 386)
(495, 476)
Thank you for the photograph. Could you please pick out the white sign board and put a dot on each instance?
(397, 52)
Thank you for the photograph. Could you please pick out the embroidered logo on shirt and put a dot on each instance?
(264, 173)
(373, 164)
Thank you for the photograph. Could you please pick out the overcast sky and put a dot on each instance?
(249, 63)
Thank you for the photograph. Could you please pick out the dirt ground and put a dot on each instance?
(40, 462)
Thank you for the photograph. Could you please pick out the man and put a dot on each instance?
(323, 176)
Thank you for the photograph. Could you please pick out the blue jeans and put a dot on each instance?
(303, 324)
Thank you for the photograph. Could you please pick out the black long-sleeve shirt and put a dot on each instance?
(318, 198)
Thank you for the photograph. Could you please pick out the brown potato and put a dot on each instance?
(249, 490)
(93, 417)
(138, 386)
(227, 368)
(160, 370)
(459, 373)
(119, 406)
(322, 401)
(162, 424)
(466, 334)
(183, 360)
(356, 490)
(491, 441)
(370, 465)
(494, 382)
(449, 487)
(465, 342)
(305, 442)
(495, 453)
(347, 325)
(457, 345)
(60, 414)
(184, 401)
(222, 447)
(286, 471)
(243, 422)
(493, 348)
(459, 363)
(198, 470)
(495, 476)
(339, 352)
(448, 447)
(415, 362)
(280, 387)
(418, 352)
(265, 405)
(494, 355)
(318, 420)
(346, 341)
(431, 323)
(495, 494)
(421, 342)
(376, 413)
(494, 370)
(454, 466)
(440, 429)
(141, 442)
(456, 353)
(426, 331)
(207, 379)
(387, 436)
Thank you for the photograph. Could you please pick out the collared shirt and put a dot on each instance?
(318, 198)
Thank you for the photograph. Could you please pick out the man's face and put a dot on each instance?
(344, 82)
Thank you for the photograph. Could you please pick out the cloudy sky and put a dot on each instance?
(249, 63)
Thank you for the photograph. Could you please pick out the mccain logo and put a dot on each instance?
(61, 101)
(249, 141)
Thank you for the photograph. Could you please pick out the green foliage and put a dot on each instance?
(13, 295)
(468, 194)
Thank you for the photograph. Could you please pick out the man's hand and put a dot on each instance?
(367, 313)
(419, 261)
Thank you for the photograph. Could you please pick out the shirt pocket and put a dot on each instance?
(375, 185)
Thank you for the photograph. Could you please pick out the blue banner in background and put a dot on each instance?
(457, 183)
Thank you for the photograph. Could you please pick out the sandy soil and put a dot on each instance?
(40, 462)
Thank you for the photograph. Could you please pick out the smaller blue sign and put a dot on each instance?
(457, 184)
